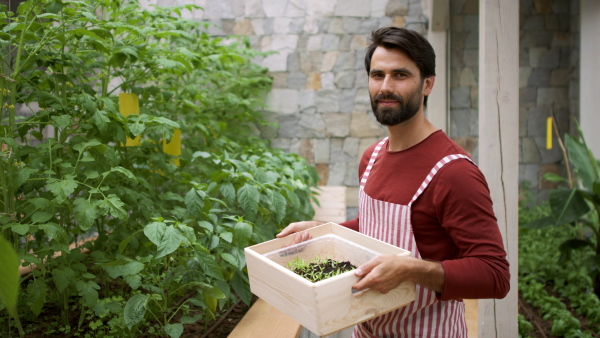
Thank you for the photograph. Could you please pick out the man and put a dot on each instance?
(420, 191)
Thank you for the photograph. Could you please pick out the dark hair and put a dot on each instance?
(410, 42)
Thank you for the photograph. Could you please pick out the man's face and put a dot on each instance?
(395, 86)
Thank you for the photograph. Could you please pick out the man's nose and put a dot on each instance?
(386, 86)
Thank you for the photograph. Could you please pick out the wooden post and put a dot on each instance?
(499, 145)
(438, 12)
(589, 80)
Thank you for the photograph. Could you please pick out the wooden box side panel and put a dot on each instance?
(338, 308)
(287, 292)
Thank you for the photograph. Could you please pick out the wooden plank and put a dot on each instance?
(265, 321)
(332, 204)
(471, 312)
(499, 145)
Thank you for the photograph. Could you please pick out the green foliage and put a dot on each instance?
(9, 275)
(170, 237)
(319, 268)
(547, 282)
(578, 205)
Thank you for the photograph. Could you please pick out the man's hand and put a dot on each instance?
(292, 228)
(385, 272)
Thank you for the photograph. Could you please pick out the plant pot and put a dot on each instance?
(330, 305)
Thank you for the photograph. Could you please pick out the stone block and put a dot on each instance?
(297, 25)
(320, 8)
(281, 143)
(385, 21)
(471, 7)
(345, 61)
(360, 59)
(336, 26)
(328, 80)
(274, 9)
(535, 55)
(337, 173)
(539, 77)
(533, 22)
(557, 97)
(345, 42)
(283, 101)
(314, 42)
(543, 6)
(338, 153)
(472, 40)
(280, 80)
(522, 120)
(296, 80)
(323, 171)
(269, 131)
(362, 101)
(471, 59)
(344, 79)
(310, 25)
(378, 8)
(553, 155)
(460, 123)
(471, 23)
(399, 21)
(551, 22)
(337, 124)
(351, 25)
(351, 179)
(258, 26)
(457, 6)
(281, 25)
(295, 8)
(289, 126)
(524, 57)
(311, 126)
(560, 77)
(562, 39)
(368, 25)
(351, 148)
(293, 62)
(254, 9)
(396, 8)
(306, 99)
(327, 101)
(331, 42)
(329, 61)
(218, 10)
(460, 97)
(524, 73)
(227, 25)
(550, 59)
(322, 146)
(347, 100)
(529, 151)
(359, 8)
(527, 95)
(313, 81)
(284, 42)
(304, 148)
(276, 62)
(536, 120)
(364, 125)
(467, 77)
(243, 27)
(265, 42)
(358, 42)
(529, 173)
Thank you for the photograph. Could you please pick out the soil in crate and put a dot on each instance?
(320, 269)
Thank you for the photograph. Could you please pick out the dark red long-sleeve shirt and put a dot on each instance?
(453, 220)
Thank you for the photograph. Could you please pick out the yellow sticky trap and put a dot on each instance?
(173, 148)
(549, 133)
(128, 105)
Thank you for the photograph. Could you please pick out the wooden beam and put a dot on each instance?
(437, 12)
(499, 145)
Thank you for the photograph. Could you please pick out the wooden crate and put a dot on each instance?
(330, 305)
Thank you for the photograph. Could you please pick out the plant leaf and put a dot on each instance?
(174, 330)
(86, 212)
(194, 201)
(9, 275)
(36, 295)
(114, 206)
(228, 191)
(170, 241)
(61, 188)
(62, 277)
(241, 286)
(567, 205)
(248, 198)
(243, 232)
(582, 160)
(135, 310)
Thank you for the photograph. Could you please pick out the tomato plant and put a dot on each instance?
(169, 229)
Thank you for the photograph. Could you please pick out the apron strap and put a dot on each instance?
(434, 171)
(365, 175)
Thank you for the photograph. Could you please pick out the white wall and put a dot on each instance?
(590, 74)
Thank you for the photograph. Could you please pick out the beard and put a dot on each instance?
(391, 116)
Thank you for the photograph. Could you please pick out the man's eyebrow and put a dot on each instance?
(397, 70)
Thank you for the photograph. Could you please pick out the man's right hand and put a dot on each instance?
(293, 228)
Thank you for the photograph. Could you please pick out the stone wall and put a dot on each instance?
(548, 81)
(320, 98)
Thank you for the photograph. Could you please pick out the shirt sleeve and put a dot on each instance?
(464, 208)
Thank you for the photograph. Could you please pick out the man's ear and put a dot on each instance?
(428, 85)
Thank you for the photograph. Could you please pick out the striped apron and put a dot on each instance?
(391, 223)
